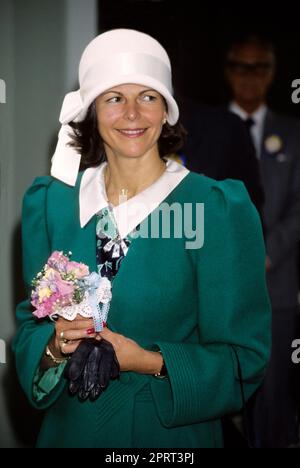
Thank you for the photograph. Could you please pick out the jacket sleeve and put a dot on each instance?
(233, 311)
(32, 337)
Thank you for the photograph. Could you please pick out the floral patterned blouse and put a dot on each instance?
(111, 249)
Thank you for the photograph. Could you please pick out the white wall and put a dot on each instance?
(80, 28)
(40, 46)
(6, 199)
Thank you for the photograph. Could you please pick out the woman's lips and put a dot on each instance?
(132, 133)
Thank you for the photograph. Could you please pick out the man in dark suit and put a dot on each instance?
(250, 71)
(218, 145)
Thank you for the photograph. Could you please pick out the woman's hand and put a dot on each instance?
(69, 334)
(131, 356)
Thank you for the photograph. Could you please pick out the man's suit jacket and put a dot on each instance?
(219, 146)
(281, 179)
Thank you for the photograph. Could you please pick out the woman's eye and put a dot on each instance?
(114, 99)
(148, 97)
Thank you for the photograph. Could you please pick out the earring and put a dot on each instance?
(164, 121)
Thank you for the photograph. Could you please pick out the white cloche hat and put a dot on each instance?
(116, 57)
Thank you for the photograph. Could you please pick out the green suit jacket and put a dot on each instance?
(194, 304)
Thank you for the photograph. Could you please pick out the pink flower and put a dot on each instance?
(53, 281)
(65, 289)
(44, 309)
(80, 270)
(58, 261)
(57, 285)
(40, 312)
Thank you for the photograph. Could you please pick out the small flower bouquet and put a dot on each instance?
(66, 288)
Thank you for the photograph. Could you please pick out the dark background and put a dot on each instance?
(196, 38)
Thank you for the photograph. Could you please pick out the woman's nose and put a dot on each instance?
(131, 111)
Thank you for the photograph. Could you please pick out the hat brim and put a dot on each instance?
(89, 97)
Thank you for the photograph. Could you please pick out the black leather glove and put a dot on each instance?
(100, 367)
(75, 366)
(109, 352)
(94, 364)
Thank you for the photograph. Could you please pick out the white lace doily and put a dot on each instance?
(84, 308)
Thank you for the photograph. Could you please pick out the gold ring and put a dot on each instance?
(62, 345)
(61, 335)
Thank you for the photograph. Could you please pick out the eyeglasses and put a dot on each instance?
(244, 68)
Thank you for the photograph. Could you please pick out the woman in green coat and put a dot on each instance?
(184, 253)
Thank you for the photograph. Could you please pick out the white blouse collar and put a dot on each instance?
(93, 198)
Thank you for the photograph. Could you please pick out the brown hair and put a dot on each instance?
(88, 142)
(255, 40)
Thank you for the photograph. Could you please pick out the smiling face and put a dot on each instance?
(130, 119)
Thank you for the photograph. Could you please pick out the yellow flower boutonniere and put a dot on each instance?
(273, 144)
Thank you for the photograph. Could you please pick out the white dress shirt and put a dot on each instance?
(130, 213)
(257, 129)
